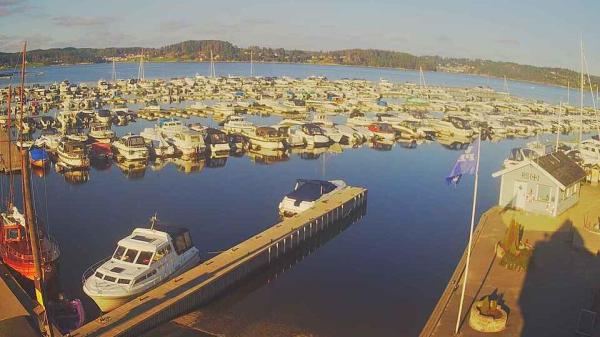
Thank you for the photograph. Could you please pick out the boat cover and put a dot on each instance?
(310, 190)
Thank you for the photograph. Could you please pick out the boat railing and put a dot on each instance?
(50, 252)
(92, 269)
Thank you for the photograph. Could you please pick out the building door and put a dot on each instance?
(519, 194)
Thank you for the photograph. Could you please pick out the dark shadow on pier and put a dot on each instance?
(215, 308)
(559, 286)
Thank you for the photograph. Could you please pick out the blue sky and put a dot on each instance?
(542, 32)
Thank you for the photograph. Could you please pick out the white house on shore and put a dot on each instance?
(547, 185)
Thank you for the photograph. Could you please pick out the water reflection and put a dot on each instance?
(76, 177)
(215, 161)
(233, 302)
(267, 156)
(454, 143)
(189, 165)
(381, 145)
(132, 169)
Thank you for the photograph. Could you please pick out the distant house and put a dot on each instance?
(547, 185)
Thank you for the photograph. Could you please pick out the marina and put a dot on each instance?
(151, 155)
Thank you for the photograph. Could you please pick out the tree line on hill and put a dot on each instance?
(226, 51)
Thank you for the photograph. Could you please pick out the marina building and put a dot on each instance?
(548, 185)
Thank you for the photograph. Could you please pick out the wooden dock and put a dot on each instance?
(16, 308)
(207, 280)
(10, 156)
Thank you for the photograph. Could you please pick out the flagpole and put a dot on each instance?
(462, 295)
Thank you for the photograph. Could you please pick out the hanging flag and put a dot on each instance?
(465, 164)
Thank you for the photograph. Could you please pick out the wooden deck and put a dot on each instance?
(550, 298)
(205, 281)
(10, 156)
(16, 308)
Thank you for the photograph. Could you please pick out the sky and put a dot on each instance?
(540, 32)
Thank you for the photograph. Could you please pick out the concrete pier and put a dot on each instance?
(204, 282)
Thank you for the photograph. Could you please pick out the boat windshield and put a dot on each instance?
(144, 258)
(119, 252)
(124, 254)
(218, 138)
(312, 129)
(135, 141)
(460, 123)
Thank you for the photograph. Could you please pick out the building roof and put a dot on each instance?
(556, 165)
(561, 167)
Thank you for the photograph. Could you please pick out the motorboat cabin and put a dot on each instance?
(131, 147)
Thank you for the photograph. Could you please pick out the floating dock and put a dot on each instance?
(10, 156)
(202, 283)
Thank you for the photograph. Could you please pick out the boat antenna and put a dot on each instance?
(30, 222)
(153, 220)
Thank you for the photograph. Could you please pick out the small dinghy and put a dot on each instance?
(67, 315)
(38, 157)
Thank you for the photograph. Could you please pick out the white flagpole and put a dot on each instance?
(462, 295)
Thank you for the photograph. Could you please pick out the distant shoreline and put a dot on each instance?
(35, 66)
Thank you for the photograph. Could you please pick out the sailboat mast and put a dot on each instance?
(11, 181)
(30, 222)
(251, 64)
(114, 71)
(559, 127)
(581, 99)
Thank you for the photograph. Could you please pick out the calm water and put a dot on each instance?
(379, 277)
(94, 72)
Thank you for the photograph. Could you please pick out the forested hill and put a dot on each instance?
(225, 51)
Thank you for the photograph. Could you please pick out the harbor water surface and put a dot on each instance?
(379, 277)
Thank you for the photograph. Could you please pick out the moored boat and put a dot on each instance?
(306, 193)
(15, 247)
(131, 147)
(72, 154)
(142, 260)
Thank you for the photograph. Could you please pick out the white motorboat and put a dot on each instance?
(217, 141)
(294, 138)
(72, 154)
(103, 116)
(313, 135)
(238, 124)
(352, 135)
(589, 151)
(49, 140)
(158, 145)
(143, 260)
(131, 147)
(306, 193)
(383, 131)
(266, 137)
(531, 151)
(101, 132)
(188, 142)
(452, 126)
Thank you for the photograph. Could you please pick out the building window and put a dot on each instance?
(544, 192)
